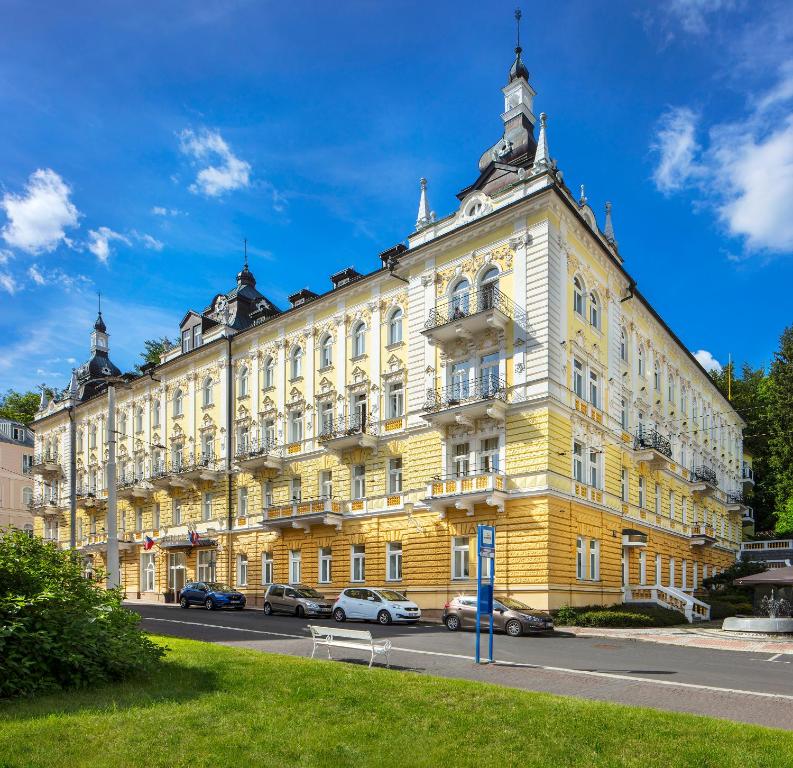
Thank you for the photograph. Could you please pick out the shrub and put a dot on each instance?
(57, 629)
(721, 609)
(566, 616)
(646, 616)
(613, 618)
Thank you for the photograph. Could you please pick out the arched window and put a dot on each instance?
(640, 361)
(578, 296)
(488, 287)
(155, 412)
(27, 495)
(657, 377)
(92, 436)
(296, 363)
(269, 373)
(139, 419)
(177, 402)
(122, 424)
(28, 529)
(359, 339)
(623, 345)
(594, 310)
(460, 297)
(206, 391)
(242, 381)
(326, 351)
(671, 390)
(395, 326)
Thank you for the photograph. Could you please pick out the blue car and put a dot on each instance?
(211, 595)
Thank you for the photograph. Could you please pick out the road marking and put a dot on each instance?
(774, 658)
(519, 665)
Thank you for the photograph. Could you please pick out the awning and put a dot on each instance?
(772, 577)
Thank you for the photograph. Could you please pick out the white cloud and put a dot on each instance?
(159, 210)
(35, 275)
(7, 283)
(5, 256)
(213, 180)
(745, 171)
(152, 243)
(100, 239)
(706, 360)
(676, 145)
(693, 14)
(38, 218)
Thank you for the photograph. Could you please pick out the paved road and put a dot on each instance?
(742, 686)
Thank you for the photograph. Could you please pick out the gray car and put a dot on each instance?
(296, 600)
(509, 615)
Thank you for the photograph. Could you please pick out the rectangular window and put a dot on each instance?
(685, 510)
(148, 572)
(267, 567)
(326, 418)
(176, 515)
(206, 506)
(395, 475)
(658, 569)
(326, 484)
(578, 462)
(695, 575)
(206, 570)
(185, 341)
(242, 570)
(123, 520)
(357, 562)
(196, 336)
(490, 455)
(461, 558)
(296, 488)
(325, 565)
(671, 571)
(594, 559)
(580, 566)
(461, 459)
(578, 379)
(295, 566)
(594, 468)
(594, 389)
(242, 502)
(267, 494)
(672, 510)
(156, 516)
(684, 574)
(138, 518)
(396, 400)
(394, 561)
(624, 414)
(657, 499)
(624, 490)
(641, 492)
(359, 481)
(296, 426)
(642, 567)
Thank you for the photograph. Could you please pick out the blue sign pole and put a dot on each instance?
(485, 551)
(478, 598)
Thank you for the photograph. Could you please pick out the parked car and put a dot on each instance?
(296, 599)
(374, 604)
(509, 615)
(212, 595)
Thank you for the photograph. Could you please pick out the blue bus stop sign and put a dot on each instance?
(485, 551)
(485, 598)
(487, 541)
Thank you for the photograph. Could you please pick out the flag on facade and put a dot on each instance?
(148, 543)
(194, 538)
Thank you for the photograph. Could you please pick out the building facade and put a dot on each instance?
(501, 368)
(16, 481)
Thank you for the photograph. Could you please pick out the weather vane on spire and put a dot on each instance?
(245, 247)
(518, 16)
(99, 301)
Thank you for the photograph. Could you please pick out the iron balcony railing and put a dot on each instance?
(468, 304)
(46, 457)
(175, 464)
(40, 500)
(489, 388)
(256, 446)
(747, 472)
(650, 438)
(735, 498)
(705, 474)
(356, 423)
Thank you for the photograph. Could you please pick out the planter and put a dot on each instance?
(758, 625)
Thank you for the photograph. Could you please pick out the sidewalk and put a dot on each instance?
(691, 636)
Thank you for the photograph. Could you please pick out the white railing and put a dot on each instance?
(669, 597)
(764, 546)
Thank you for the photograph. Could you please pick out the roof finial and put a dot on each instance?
(518, 68)
(425, 215)
(582, 200)
(609, 228)
(245, 247)
(542, 160)
(518, 16)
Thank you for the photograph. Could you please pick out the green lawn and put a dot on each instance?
(218, 706)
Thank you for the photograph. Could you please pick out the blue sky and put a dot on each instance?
(141, 142)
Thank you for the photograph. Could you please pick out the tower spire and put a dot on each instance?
(425, 215)
(609, 228)
(518, 68)
(245, 248)
(542, 160)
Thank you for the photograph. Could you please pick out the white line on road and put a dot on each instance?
(520, 665)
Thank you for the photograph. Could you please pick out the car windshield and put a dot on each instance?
(394, 597)
(218, 586)
(308, 592)
(513, 605)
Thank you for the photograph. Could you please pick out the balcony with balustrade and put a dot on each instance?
(134, 485)
(46, 464)
(91, 497)
(651, 447)
(186, 471)
(259, 453)
(304, 514)
(97, 542)
(702, 536)
(44, 505)
(356, 430)
(704, 481)
(735, 503)
(747, 474)
(464, 492)
(467, 316)
(465, 402)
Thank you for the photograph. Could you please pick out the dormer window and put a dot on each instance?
(186, 337)
(197, 340)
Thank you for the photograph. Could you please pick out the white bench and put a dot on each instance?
(361, 640)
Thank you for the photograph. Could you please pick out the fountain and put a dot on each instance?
(774, 618)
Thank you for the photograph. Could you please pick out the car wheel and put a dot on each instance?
(299, 612)
(513, 628)
(339, 615)
(452, 623)
(183, 603)
(384, 617)
(268, 609)
(209, 604)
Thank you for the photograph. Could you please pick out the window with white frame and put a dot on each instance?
(658, 569)
(296, 426)
(394, 561)
(395, 475)
(395, 326)
(641, 492)
(155, 416)
(27, 496)
(206, 568)
(243, 439)
(489, 374)
(624, 487)
(624, 414)
(295, 566)
(197, 340)
(461, 459)
(325, 565)
(178, 401)
(267, 567)
(148, 572)
(671, 571)
(242, 501)
(684, 510)
(358, 481)
(623, 346)
(640, 361)
(489, 455)
(138, 420)
(267, 494)
(594, 388)
(186, 337)
(642, 567)
(587, 559)
(357, 562)
(672, 510)
(460, 299)
(578, 461)
(657, 499)
(594, 467)
(326, 484)
(155, 517)
(670, 390)
(326, 418)
(578, 297)
(459, 378)
(656, 377)
(242, 381)
(207, 447)
(206, 392)
(395, 399)
(269, 373)
(578, 378)
(176, 512)
(177, 456)
(326, 351)
(594, 310)
(296, 363)
(359, 339)
(296, 488)
(461, 559)
(138, 518)
(268, 433)
(242, 570)
(92, 436)
(206, 506)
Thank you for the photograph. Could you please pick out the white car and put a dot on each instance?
(374, 604)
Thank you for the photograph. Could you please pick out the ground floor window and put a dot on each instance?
(267, 567)
(325, 564)
(242, 570)
(206, 565)
(671, 571)
(642, 567)
(587, 559)
(295, 566)
(358, 562)
(148, 572)
(658, 570)
(394, 560)
(176, 570)
(461, 558)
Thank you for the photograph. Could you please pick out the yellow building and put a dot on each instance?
(502, 368)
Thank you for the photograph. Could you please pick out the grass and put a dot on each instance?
(217, 706)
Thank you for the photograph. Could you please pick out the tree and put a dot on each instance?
(780, 443)
(152, 349)
(20, 406)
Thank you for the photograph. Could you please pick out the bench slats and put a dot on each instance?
(357, 639)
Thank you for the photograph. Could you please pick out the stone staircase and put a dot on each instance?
(669, 597)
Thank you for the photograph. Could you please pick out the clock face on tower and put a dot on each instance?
(106, 371)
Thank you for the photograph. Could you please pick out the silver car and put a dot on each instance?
(296, 600)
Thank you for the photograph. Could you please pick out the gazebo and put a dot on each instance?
(780, 580)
